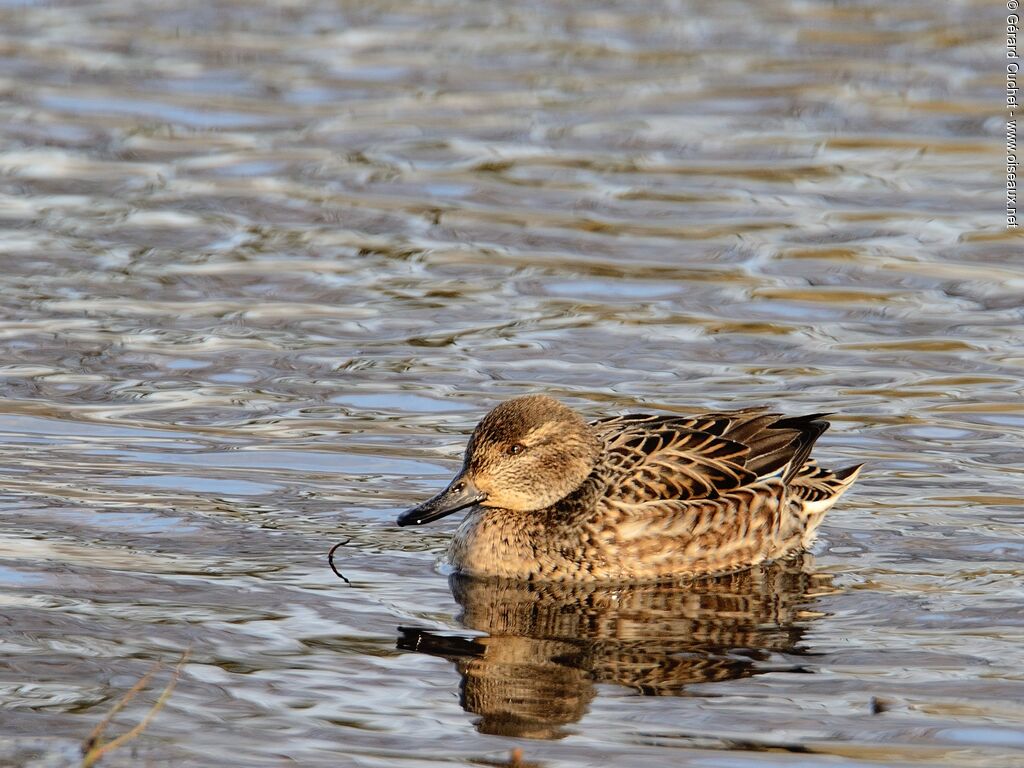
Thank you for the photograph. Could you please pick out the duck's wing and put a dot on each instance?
(651, 458)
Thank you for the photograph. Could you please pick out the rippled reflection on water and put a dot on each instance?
(264, 266)
(544, 646)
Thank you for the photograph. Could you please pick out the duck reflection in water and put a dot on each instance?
(548, 644)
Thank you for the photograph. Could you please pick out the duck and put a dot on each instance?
(550, 496)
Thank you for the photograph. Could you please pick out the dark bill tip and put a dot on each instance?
(460, 495)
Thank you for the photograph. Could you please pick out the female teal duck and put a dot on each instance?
(633, 498)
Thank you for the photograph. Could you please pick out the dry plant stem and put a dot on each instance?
(97, 751)
(97, 732)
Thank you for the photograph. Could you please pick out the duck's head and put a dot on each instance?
(525, 455)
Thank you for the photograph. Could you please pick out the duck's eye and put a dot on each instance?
(516, 448)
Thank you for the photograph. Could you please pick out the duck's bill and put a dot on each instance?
(460, 495)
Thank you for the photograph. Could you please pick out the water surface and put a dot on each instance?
(265, 265)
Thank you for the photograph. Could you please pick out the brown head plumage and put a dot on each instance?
(529, 453)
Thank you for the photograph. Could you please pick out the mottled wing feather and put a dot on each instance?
(665, 460)
(670, 457)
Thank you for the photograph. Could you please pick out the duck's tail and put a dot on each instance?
(816, 489)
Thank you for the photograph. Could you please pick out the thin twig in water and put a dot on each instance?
(101, 726)
(94, 750)
(330, 560)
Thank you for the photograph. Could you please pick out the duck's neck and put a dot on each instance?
(578, 503)
(525, 545)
